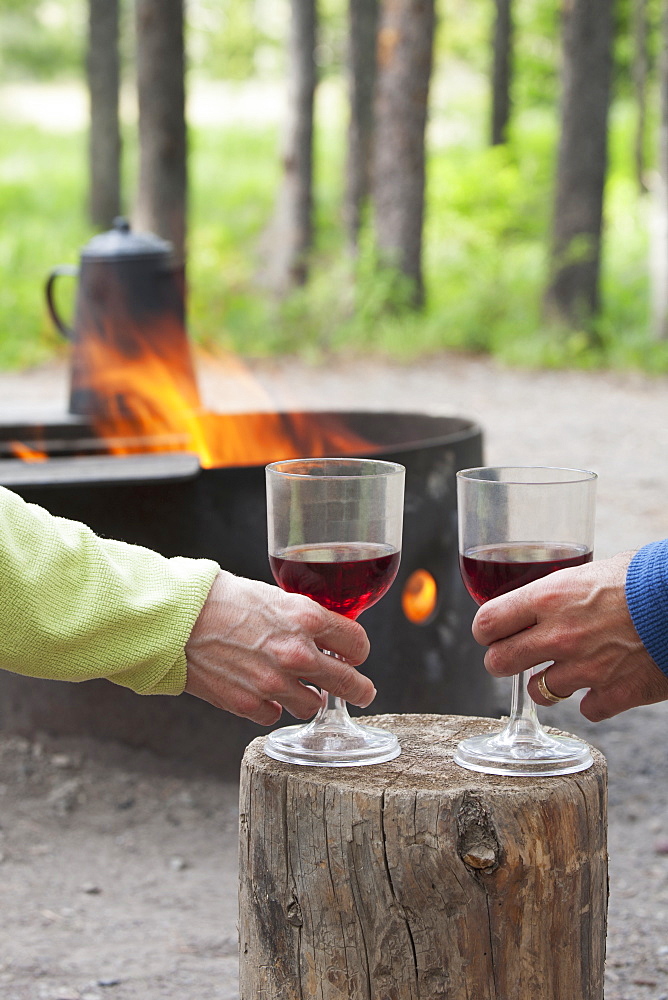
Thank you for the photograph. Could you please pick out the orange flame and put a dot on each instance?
(26, 453)
(148, 401)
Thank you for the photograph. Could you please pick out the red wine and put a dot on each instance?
(491, 570)
(346, 577)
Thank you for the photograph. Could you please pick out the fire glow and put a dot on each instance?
(144, 401)
(26, 453)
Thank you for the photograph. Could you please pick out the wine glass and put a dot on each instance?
(334, 527)
(517, 524)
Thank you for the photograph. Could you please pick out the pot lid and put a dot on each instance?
(121, 242)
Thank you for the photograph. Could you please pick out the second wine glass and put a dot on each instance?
(516, 525)
(334, 532)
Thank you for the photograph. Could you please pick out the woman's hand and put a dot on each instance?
(254, 651)
(579, 619)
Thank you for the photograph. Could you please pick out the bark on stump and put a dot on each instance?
(416, 879)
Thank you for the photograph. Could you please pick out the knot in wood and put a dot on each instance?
(477, 843)
(480, 857)
(293, 913)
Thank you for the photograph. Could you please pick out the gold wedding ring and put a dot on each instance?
(554, 699)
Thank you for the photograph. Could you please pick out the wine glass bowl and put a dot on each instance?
(517, 525)
(334, 534)
(345, 577)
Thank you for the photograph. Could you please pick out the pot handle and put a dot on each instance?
(73, 272)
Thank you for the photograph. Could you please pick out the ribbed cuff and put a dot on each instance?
(647, 599)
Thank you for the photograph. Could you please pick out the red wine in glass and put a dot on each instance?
(346, 577)
(334, 534)
(491, 570)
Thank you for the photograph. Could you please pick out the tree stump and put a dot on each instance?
(416, 879)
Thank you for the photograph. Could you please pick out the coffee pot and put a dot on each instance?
(129, 321)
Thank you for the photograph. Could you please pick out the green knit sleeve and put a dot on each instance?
(74, 606)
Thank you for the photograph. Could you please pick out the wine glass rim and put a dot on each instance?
(579, 475)
(283, 468)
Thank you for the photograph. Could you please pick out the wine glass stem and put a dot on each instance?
(332, 708)
(332, 704)
(523, 723)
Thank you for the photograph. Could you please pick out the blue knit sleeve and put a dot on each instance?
(647, 599)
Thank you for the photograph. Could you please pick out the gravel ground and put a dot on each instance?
(118, 870)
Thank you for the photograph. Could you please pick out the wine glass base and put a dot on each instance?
(325, 747)
(552, 755)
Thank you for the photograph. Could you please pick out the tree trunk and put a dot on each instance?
(103, 71)
(405, 48)
(362, 42)
(290, 234)
(640, 74)
(417, 880)
(161, 206)
(502, 69)
(572, 295)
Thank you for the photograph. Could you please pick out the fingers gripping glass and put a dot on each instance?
(334, 528)
(516, 525)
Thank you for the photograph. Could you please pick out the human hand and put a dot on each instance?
(253, 644)
(579, 619)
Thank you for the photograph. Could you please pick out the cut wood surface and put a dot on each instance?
(416, 879)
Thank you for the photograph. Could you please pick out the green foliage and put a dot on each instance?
(487, 218)
(538, 25)
(487, 222)
(463, 32)
(625, 12)
(226, 39)
(234, 174)
(332, 29)
(483, 262)
(41, 38)
(41, 206)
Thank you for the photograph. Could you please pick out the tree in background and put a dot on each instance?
(502, 70)
(361, 66)
(103, 73)
(405, 54)
(290, 234)
(572, 295)
(162, 191)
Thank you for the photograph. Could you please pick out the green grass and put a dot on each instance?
(487, 220)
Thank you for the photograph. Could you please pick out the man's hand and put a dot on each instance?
(579, 619)
(253, 645)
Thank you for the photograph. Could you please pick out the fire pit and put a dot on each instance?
(423, 656)
(138, 459)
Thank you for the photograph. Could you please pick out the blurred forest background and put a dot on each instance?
(505, 256)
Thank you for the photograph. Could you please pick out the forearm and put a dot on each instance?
(74, 606)
(647, 599)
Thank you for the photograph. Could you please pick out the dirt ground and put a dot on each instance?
(118, 869)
